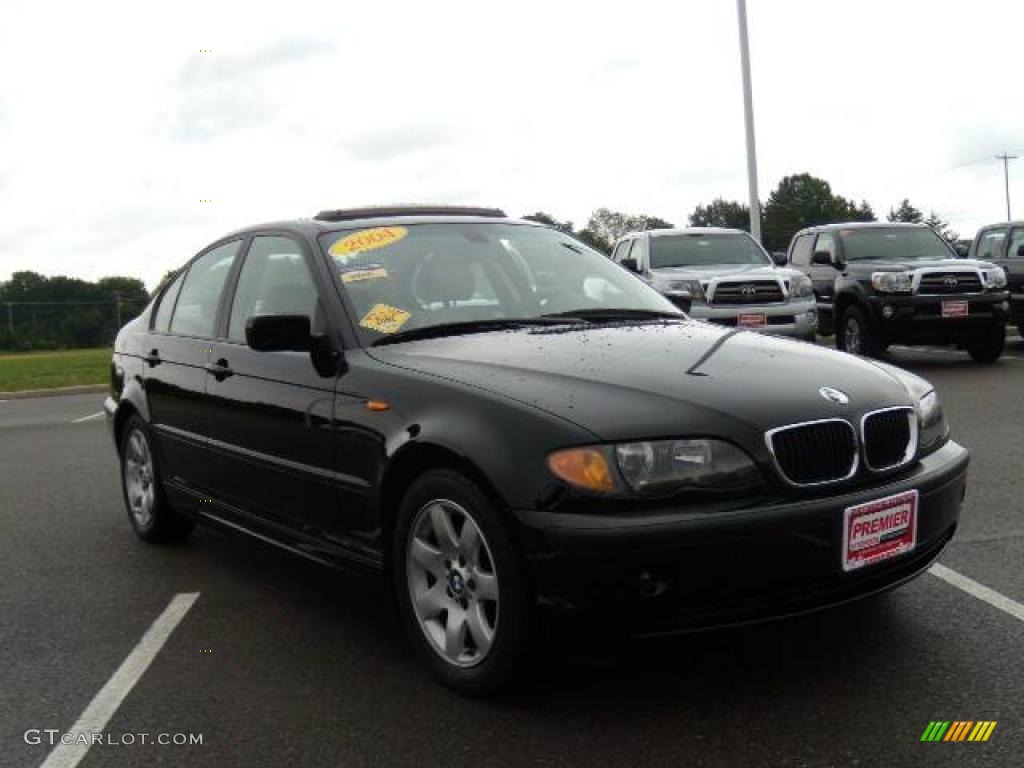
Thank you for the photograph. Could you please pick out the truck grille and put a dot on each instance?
(747, 292)
(938, 283)
(818, 452)
(889, 437)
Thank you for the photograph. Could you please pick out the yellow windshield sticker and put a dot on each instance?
(357, 275)
(366, 240)
(384, 318)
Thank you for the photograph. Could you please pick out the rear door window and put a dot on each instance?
(195, 313)
(991, 244)
(802, 251)
(162, 322)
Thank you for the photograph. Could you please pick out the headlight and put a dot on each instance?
(801, 287)
(693, 287)
(932, 429)
(994, 278)
(891, 282)
(656, 468)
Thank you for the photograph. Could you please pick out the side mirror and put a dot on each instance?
(822, 258)
(962, 249)
(682, 299)
(1020, 251)
(631, 265)
(278, 333)
(780, 258)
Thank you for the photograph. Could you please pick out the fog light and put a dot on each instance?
(888, 311)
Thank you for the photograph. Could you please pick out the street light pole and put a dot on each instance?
(1006, 179)
(748, 111)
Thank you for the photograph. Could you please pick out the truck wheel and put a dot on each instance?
(855, 335)
(460, 584)
(988, 349)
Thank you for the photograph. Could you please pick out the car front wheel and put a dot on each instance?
(988, 349)
(150, 515)
(855, 335)
(460, 584)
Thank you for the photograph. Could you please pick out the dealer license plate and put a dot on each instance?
(751, 320)
(878, 530)
(954, 309)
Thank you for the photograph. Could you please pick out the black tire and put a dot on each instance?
(861, 340)
(512, 637)
(160, 524)
(988, 349)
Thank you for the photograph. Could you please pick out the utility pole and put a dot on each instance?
(117, 300)
(748, 112)
(1006, 179)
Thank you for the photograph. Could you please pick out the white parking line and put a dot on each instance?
(90, 417)
(105, 703)
(980, 591)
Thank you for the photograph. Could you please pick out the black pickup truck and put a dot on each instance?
(881, 283)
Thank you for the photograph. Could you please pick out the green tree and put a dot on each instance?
(941, 228)
(721, 213)
(546, 218)
(906, 213)
(802, 201)
(606, 226)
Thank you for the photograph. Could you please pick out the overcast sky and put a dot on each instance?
(114, 126)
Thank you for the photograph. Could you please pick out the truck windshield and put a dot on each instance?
(894, 243)
(702, 249)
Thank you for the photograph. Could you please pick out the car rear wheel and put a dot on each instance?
(855, 335)
(460, 584)
(988, 349)
(151, 517)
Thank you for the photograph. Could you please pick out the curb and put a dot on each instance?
(83, 389)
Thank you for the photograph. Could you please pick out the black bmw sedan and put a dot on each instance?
(518, 433)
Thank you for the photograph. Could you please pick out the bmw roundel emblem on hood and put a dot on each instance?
(833, 395)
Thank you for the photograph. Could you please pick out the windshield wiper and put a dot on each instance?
(469, 326)
(616, 313)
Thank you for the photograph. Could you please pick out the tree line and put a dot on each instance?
(799, 201)
(39, 312)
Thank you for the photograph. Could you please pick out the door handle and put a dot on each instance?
(153, 358)
(220, 369)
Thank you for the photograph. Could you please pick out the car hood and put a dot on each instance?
(711, 271)
(657, 380)
(894, 265)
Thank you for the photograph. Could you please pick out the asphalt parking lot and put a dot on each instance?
(280, 663)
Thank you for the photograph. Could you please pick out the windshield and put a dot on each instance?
(403, 278)
(701, 250)
(896, 243)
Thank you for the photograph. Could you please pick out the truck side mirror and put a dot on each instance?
(823, 258)
(780, 258)
(631, 265)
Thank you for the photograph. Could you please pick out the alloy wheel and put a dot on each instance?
(851, 335)
(453, 582)
(138, 478)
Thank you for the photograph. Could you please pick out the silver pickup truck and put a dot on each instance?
(724, 276)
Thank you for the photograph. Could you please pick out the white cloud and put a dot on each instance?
(115, 124)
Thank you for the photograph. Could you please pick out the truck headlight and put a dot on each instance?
(891, 282)
(693, 287)
(801, 287)
(657, 468)
(994, 278)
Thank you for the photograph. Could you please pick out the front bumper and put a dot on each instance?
(920, 317)
(793, 318)
(670, 571)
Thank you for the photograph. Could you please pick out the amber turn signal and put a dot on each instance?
(583, 467)
(377, 405)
